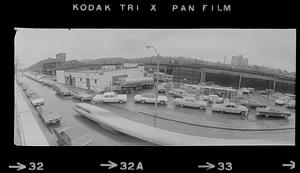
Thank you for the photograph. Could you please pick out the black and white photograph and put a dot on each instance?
(154, 87)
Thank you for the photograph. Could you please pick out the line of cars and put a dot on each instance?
(182, 98)
(69, 135)
(47, 116)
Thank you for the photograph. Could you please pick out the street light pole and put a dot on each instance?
(156, 90)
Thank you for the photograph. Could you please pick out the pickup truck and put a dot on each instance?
(110, 97)
(150, 98)
(190, 102)
(48, 116)
(36, 100)
(72, 135)
(272, 112)
(230, 107)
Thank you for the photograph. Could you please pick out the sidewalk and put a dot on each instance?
(31, 134)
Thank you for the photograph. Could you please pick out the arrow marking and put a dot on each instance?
(110, 164)
(291, 165)
(19, 166)
(208, 166)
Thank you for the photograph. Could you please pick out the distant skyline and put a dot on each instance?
(274, 48)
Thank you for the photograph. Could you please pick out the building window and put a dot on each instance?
(80, 79)
(95, 81)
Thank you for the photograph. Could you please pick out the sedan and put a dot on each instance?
(150, 98)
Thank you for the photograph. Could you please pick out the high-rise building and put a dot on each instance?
(239, 61)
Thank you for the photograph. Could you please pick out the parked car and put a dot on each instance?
(281, 101)
(24, 86)
(82, 96)
(177, 93)
(190, 102)
(64, 92)
(72, 135)
(272, 112)
(150, 98)
(214, 99)
(161, 89)
(29, 92)
(110, 97)
(19, 82)
(230, 107)
(36, 100)
(252, 104)
(291, 104)
(48, 116)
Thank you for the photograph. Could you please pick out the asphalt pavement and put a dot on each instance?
(182, 120)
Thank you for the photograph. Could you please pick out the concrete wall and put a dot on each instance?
(60, 76)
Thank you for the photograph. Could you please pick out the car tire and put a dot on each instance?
(243, 113)
(101, 101)
(121, 101)
(201, 107)
(143, 101)
(162, 102)
(222, 112)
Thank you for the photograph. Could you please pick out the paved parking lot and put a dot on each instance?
(183, 120)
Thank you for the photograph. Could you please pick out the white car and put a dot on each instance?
(214, 99)
(110, 97)
(291, 104)
(230, 107)
(190, 102)
(150, 98)
(36, 100)
(177, 93)
(281, 101)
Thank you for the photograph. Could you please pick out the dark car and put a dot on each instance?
(252, 104)
(72, 135)
(48, 116)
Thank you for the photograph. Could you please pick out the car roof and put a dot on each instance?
(35, 95)
(109, 93)
(230, 103)
(150, 94)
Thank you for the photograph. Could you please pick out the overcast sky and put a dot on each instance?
(271, 48)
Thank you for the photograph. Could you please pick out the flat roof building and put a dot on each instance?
(96, 80)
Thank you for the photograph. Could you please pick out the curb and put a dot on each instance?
(218, 127)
